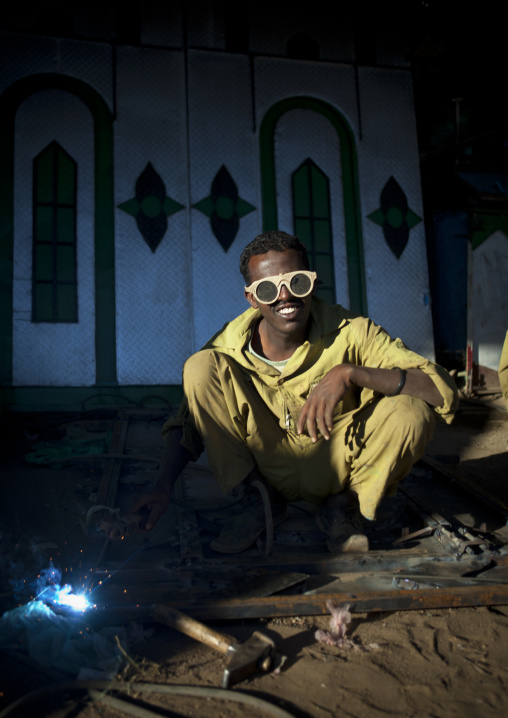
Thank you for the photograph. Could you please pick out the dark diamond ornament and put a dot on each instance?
(395, 217)
(151, 207)
(224, 207)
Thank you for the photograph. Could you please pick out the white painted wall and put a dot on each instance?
(169, 303)
(53, 354)
(397, 289)
(220, 132)
(489, 303)
(154, 312)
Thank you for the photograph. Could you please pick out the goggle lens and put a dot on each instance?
(267, 292)
(300, 285)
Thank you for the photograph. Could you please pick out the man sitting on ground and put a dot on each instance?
(315, 401)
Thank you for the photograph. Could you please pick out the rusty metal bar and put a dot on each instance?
(396, 600)
(315, 605)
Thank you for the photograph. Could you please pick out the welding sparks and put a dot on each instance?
(56, 596)
(49, 591)
(78, 602)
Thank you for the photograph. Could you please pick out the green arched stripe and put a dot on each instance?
(105, 322)
(349, 165)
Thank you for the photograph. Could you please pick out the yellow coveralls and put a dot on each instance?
(245, 411)
(503, 370)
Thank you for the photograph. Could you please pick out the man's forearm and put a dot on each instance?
(386, 381)
(174, 459)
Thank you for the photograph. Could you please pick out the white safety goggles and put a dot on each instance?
(267, 290)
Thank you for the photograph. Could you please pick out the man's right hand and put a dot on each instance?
(174, 459)
(156, 503)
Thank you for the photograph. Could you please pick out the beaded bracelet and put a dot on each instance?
(402, 381)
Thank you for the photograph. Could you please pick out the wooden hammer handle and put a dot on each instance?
(185, 624)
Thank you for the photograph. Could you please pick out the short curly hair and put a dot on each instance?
(273, 241)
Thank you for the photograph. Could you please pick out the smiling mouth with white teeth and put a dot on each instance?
(286, 311)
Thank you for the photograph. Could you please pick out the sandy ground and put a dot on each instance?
(449, 662)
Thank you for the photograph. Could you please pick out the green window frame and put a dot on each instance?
(350, 199)
(54, 268)
(313, 223)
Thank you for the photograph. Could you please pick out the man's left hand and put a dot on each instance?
(317, 412)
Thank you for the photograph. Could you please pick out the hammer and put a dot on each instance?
(257, 653)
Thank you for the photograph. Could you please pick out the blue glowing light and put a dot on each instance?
(55, 596)
(65, 597)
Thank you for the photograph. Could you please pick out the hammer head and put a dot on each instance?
(256, 654)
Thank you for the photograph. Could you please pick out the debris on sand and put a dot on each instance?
(336, 636)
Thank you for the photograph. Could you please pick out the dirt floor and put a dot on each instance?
(432, 663)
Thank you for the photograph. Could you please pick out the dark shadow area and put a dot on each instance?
(489, 472)
(44, 509)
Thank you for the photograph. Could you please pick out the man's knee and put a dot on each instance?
(412, 418)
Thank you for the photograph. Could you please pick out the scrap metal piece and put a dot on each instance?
(409, 585)
(436, 581)
(117, 527)
(449, 534)
(480, 539)
(249, 584)
(425, 531)
(179, 586)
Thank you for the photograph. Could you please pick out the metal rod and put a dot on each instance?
(315, 604)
